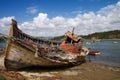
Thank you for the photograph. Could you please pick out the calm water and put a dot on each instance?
(2, 44)
(110, 51)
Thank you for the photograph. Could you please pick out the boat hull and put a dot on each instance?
(23, 50)
(20, 57)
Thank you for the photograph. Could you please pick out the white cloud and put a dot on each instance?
(107, 18)
(31, 10)
(5, 24)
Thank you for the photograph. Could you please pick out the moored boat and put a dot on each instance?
(94, 52)
(23, 50)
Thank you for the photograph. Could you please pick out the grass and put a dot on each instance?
(2, 77)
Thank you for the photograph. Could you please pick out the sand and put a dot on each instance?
(85, 71)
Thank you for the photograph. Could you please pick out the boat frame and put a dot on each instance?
(23, 50)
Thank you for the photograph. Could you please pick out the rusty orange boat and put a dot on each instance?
(23, 50)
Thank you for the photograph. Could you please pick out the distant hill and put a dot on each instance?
(1, 37)
(114, 34)
(0, 34)
(58, 38)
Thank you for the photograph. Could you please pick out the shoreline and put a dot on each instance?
(84, 71)
(109, 39)
(103, 39)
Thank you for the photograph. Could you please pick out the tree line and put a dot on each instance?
(114, 34)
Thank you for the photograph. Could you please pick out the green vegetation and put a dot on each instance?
(115, 34)
(58, 38)
(2, 77)
(1, 38)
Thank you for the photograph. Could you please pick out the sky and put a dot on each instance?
(55, 17)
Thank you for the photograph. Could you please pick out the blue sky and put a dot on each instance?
(52, 15)
(66, 8)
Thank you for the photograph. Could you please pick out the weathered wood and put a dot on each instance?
(23, 50)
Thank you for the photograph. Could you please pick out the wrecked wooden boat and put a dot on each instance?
(23, 50)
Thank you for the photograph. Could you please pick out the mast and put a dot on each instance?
(73, 30)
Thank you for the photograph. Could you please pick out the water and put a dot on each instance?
(2, 44)
(110, 51)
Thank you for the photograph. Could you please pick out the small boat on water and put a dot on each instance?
(23, 50)
(94, 52)
(115, 42)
